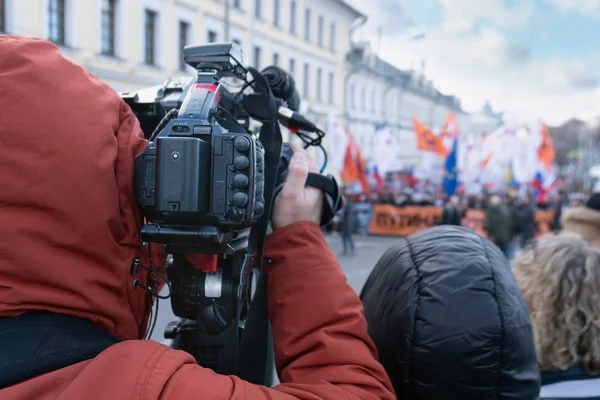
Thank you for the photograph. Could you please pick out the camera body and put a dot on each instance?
(200, 179)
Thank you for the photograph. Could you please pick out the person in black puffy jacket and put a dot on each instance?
(449, 320)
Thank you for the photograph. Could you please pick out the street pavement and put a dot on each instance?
(357, 269)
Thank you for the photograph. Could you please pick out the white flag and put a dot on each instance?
(337, 143)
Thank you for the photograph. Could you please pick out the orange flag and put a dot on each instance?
(546, 152)
(427, 141)
(450, 128)
(355, 167)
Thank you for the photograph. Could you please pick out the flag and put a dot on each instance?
(451, 173)
(427, 141)
(546, 151)
(337, 143)
(386, 149)
(450, 131)
(379, 179)
(355, 168)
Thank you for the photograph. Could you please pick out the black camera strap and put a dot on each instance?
(252, 358)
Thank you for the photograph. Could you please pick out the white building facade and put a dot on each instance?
(486, 121)
(380, 94)
(132, 44)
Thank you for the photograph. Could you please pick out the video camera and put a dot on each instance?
(206, 185)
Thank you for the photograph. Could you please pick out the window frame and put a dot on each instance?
(109, 14)
(60, 14)
(150, 15)
(184, 34)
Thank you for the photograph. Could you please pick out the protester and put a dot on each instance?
(498, 224)
(561, 204)
(70, 230)
(346, 225)
(560, 279)
(453, 213)
(524, 220)
(364, 212)
(449, 320)
(584, 220)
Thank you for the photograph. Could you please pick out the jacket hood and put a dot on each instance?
(69, 220)
(449, 320)
(583, 221)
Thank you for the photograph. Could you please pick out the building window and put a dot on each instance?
(276, 12)
(363, 100)
(331, 87)
(56, 21)
(292, 70)
(332, 37)
(108, 27)
(276, 59)
(257, 55)
(373, 101)
(307, 24)
(258, 9)
(293, 17)
(211, 36)
(237, 4)
(150, 37)
(2, 16)
(352, 97)
(306, 79)
(320, 33)
(184, 34)
(319, 84)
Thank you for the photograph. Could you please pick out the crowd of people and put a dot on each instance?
(443, 314)
(509, 218)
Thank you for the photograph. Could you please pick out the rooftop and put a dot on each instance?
(361, 54)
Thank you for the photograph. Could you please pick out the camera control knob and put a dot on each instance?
(241, 144)
(259, 207)
(240, 181)
(241, 162)
(240, 199)
(234, 214)
(259, 156)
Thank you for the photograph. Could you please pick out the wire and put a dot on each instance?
(309, 140)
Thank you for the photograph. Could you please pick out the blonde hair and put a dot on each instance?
(560, 279)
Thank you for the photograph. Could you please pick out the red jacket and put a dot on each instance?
(70, 231)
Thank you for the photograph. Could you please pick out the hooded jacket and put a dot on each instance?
(584, 221)
(449, 320)
(70, 230)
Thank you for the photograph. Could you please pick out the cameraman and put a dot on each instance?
(70, 230)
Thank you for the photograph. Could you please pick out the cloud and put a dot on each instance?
(462, 15)
(584, 7)
(470, 55)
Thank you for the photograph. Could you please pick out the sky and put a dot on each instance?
(532, 59)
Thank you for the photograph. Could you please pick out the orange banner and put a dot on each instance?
(403, 221)
(390, 220)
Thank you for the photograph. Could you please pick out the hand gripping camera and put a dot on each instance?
(206, 185)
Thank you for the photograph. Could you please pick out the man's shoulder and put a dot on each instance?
(132, 369)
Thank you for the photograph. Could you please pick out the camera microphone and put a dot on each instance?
(294, 121)
(282, 86)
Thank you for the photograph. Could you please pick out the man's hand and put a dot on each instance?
(296, 202)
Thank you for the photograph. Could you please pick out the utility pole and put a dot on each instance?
(226, 21)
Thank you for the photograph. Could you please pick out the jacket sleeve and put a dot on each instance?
(322, 349)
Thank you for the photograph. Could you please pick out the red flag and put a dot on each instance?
(355, 167)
